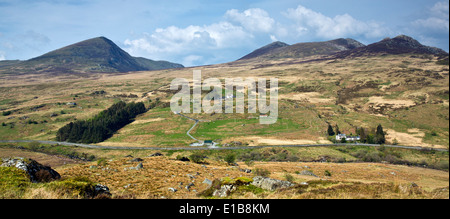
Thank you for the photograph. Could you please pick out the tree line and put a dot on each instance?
(102, 126)
(373, 136)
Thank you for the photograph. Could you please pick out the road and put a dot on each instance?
(196, 122)
(205, 148)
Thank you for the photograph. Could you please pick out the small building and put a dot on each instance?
(209, 143)
(339, 137)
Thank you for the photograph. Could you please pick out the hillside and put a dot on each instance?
(97, 55)
(396, 83)
(399, 45)
(265, 50)
(279, 50)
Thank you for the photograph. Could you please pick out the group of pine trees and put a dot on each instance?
(102, 126)
(372, 136)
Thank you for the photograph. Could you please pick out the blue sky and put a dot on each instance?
(201, 32)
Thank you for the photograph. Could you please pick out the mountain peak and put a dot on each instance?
(280, 50)
(401, 44)
(96, 55)
(265, 50)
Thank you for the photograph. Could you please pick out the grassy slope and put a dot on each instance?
(308, 95)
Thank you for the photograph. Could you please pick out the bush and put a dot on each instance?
(261, 172)
(327, 173)
(34, 146)
(197, 157)
(230, 158)
(289, 177)
(6, 113)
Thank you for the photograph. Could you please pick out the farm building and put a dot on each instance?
(339, 137)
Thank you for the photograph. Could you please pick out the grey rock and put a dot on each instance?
(173, 190)
(188, 187)
(207, 181)
(270, 184)
(136, 160)
(224, 191)
(246, 170)
(307, 173)
(157, 154)
(36, 171)
(140, 166)
(102, 190)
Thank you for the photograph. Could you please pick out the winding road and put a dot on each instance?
(214, 148)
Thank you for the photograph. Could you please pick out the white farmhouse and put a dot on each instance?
(339, 137)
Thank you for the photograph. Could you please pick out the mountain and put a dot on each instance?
(97, 55)
(399, 45)
(265, 50)
(279, 50)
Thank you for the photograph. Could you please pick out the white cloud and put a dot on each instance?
(166, 43)
(437, 20)
(273, 38)
(308, 22)
(2, 56)
(254, 19)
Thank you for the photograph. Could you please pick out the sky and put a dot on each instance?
(203, 32)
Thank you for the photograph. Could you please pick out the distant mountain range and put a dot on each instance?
(280, 50)
(101, 55)
(342, 48)
(97, 55)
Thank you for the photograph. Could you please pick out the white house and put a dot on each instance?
(339, 137)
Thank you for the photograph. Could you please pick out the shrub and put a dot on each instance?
(261, 172)
(289, 177)
(327, 173)
(6, 113)
(197, 157)
(230, 158)
(102, 162)
(43, 176)
(182, 158)
(34, 146)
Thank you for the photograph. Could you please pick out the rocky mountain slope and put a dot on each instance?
(342, 48)
(279, 50)
(97, 55)
(399, 45)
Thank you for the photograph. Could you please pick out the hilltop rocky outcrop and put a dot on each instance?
(36, 171)
(401, 44)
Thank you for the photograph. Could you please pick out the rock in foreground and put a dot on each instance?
(270, 184)
(36, 171)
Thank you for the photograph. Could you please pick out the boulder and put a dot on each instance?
(157, 154)
(307, 173)
(208, 182)
(36, 171)
(224, 191)
(100, 189)
(135, 160)
(270, 184)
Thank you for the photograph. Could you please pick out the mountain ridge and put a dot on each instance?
(342, 48)
(280, 50)
(96, 55)
(401, 44)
